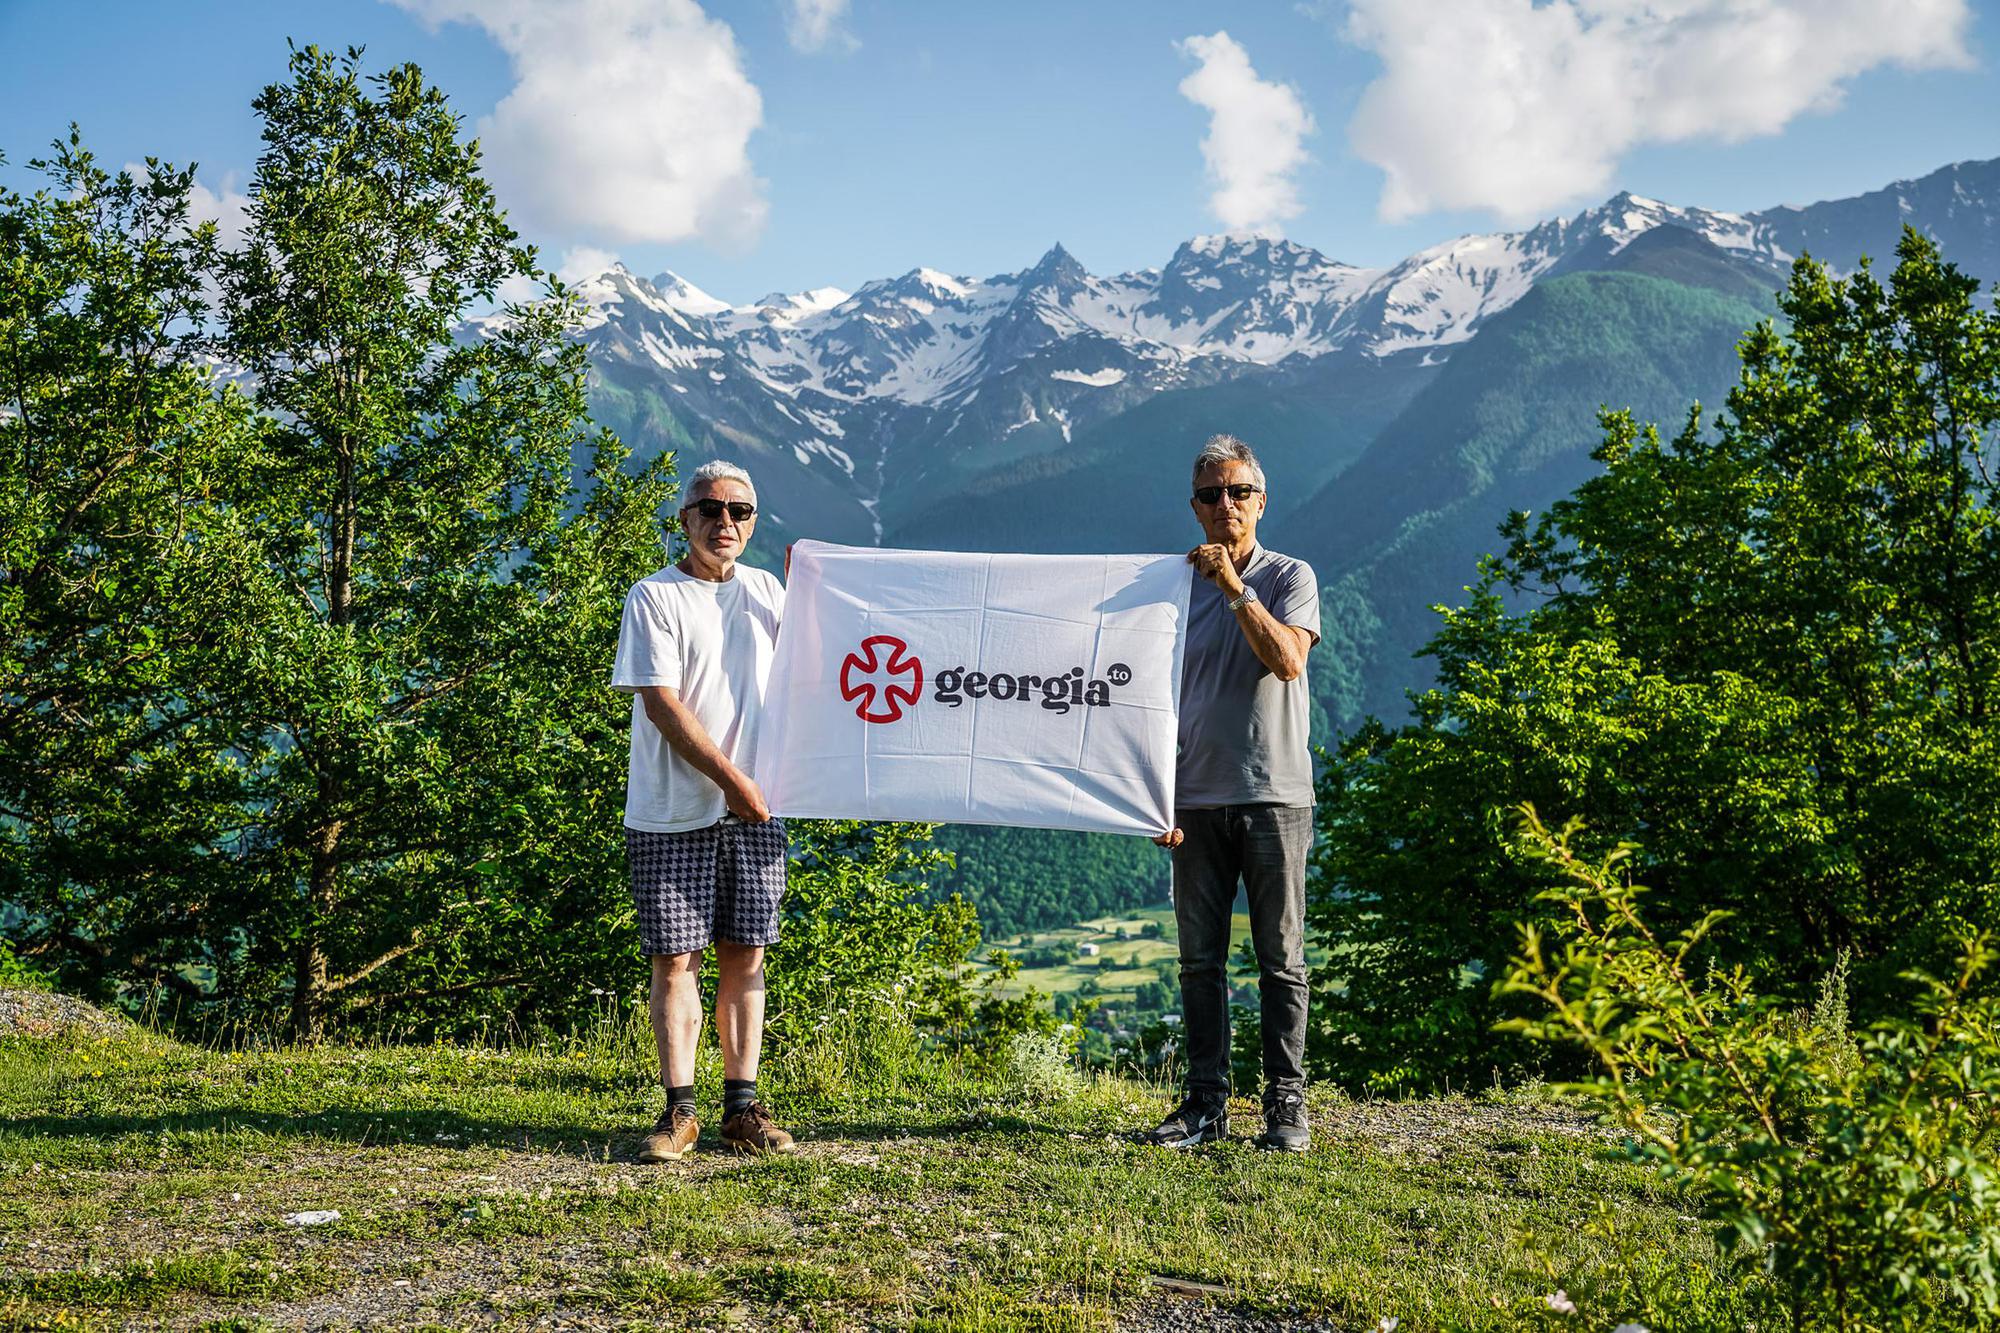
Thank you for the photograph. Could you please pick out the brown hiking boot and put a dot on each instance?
(751, 1130)
(673, 1135)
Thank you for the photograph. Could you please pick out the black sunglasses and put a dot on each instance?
(1240, 492)
(712, 509)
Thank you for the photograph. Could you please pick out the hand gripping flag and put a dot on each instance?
(1034, 690)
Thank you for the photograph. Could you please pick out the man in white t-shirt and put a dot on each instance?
(707, 859)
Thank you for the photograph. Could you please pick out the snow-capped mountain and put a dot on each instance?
(931, 339)
(929, 377)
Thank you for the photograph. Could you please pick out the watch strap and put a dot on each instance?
(1243, 599)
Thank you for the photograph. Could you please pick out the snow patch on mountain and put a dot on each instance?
(784, 308)
(678, 293)
(1440, 296)
(1096, 379)
(942, 283)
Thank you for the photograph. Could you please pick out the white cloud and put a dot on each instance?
(1521, 106)
(578, 263)
(813, 25)
(227, 207)
(629, 120)
(1255, 140)
(584, 261)
(517, 289)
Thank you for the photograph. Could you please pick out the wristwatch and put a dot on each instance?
(1243, 599)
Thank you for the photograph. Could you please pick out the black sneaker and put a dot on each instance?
(1284, 1123)
(1195, 1121)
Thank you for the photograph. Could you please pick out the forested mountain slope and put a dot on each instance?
(1509, 424)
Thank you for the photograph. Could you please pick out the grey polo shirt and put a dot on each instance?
(1244, 732)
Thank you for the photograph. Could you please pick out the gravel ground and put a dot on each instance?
(1165, 1313)
(33, 1013)
(464, 1288)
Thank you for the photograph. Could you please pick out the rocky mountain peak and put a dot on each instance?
(1056, 272)
(1057, 260)
(679, 293)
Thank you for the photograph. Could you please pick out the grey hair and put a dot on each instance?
(715, 469)
(1222, 449)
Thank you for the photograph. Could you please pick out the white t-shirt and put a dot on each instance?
(711, 643)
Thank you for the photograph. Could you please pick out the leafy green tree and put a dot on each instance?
(420, 587)
(304, 704)
(382, 602)
(1766, 650)
(114, 440)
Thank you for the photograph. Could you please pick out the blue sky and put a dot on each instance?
(750, 151)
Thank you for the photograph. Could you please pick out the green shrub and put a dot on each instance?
(1039, 1068)
(19, 974)
(1860, 1172)
(871, 1050)
(864, 935)
(858, 934)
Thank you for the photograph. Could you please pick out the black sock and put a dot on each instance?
(683, 1096)
(737, 1093)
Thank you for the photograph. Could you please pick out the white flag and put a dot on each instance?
(1036, 690)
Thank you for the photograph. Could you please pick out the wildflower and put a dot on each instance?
(597, 990)
(1387, 1324)
(1631, 1328)
(1559, 1301)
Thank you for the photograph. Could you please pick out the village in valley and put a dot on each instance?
(1121, 975)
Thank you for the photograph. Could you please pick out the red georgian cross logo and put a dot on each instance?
(892, 696)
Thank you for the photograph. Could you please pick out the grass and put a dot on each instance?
(141, 1179)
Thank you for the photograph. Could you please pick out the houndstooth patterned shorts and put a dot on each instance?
(720, 882)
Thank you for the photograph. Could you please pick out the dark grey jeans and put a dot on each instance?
(1265, 847)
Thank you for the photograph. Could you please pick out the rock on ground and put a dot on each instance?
(33, 1013)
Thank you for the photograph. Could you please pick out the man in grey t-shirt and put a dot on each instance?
(1243, 800)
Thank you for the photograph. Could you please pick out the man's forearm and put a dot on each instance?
(688, 738)
(1280, 647)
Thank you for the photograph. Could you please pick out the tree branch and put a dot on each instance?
(415, 941)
